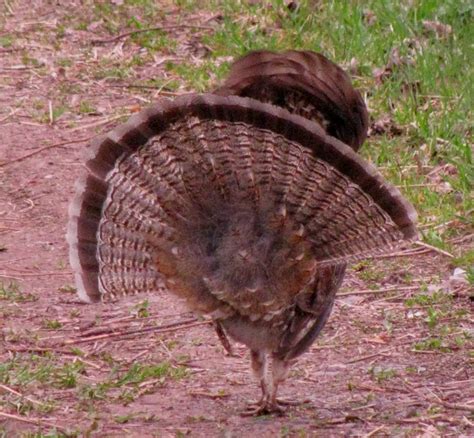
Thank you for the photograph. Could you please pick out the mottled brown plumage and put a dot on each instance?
(247, 212)
(305, 83)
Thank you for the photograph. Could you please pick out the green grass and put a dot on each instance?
(432, 344)
(380, 374)
(141, 309)
(125, 386)
(436, 297)
(46, 370)
(34, 374)
(11, 292)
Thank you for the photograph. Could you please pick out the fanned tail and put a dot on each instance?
(225, 200)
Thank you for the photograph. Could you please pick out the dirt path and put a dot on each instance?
(393, 359)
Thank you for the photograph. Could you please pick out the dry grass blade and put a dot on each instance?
(378, 291)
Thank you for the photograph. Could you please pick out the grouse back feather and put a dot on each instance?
(305, 83)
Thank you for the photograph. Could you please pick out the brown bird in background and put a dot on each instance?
(246, 211)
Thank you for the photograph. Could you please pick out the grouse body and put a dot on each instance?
(248, 212)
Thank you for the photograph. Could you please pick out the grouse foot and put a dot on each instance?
(268, 407)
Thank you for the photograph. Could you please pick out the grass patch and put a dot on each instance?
(126, 386)
(432, 344)
(380, 374)
(199, 78)
(68, 289)
(35, 374)
(6, 41)
(437, 297)
(138, 373)
(28, 370)
(52, 324)
(11, 292)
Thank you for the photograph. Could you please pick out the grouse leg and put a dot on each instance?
(269, 403)
(280, 370)
(259, 365)
(221, 334)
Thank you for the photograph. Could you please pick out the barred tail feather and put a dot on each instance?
(176, 192)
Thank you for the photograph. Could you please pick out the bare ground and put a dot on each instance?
(383, 367)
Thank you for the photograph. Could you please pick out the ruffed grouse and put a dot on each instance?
(248, 212)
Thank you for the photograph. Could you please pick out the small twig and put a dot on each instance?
(208, 394)
(24, 122)
(40, 350)
(414, 252)
(455, 383)
(35, 421)
(438, 400)
(419, 420)
(10, 277)
(433, 248)
(412, 166)
(158, 329)
(150, 29)
(365, 387)
(461, 238)
(392, 298)
(149, 383)
(342, 420)
(457, 406)
(51, 113)
(148, 87)
(467, 422)
(378, 429)
(378, 291)
(8, 7)
(18, 67)
(137, 356)
(99, 123)
(407, 253)
(19, 394)
(39, 150)
(87, 362)
(432, 225)
(417, 185)
(9, 115)
(360, 408)
(369, 356)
